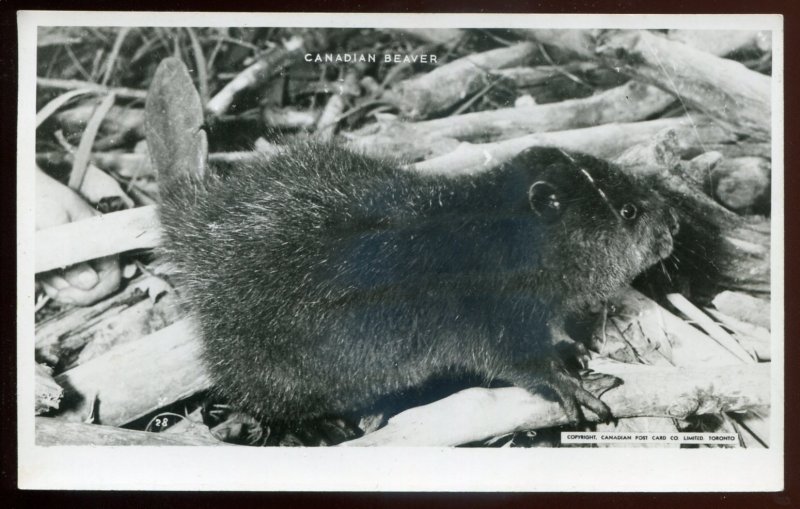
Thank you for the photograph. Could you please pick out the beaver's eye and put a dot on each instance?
(628, 211)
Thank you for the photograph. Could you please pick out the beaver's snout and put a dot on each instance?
(664, 245)
(665, 238)
(673, 221)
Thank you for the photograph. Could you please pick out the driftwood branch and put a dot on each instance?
(753, 337)
(50, 431)
(451, 83)
(716, 42)
(528, 77)
(268, 66)
(135, 378)
(722, 42)
(80, 334)
(605, 141)
(125, 93)
(440, 36)
(743, 183)
(628, 103)
(96, 237)
(119, 125)
(476, 414)
(580, 42)
(725, 90)
(744, 307)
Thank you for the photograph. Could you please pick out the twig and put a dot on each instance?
(200, 64)
(87, 140)
(53, 106)
(112, 57)
(121, 92)
(714, 331)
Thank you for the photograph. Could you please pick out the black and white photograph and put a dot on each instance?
(370, 253)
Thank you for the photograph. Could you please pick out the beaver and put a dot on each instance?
(323, 279)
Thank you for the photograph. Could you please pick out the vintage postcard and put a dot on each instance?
(400, 252)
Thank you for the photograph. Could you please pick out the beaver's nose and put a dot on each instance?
(673, 221)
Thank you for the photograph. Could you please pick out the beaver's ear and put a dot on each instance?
(544, 200)
(174, 123)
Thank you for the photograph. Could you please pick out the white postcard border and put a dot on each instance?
(383, 469)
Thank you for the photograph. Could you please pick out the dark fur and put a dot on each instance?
(323, 280)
